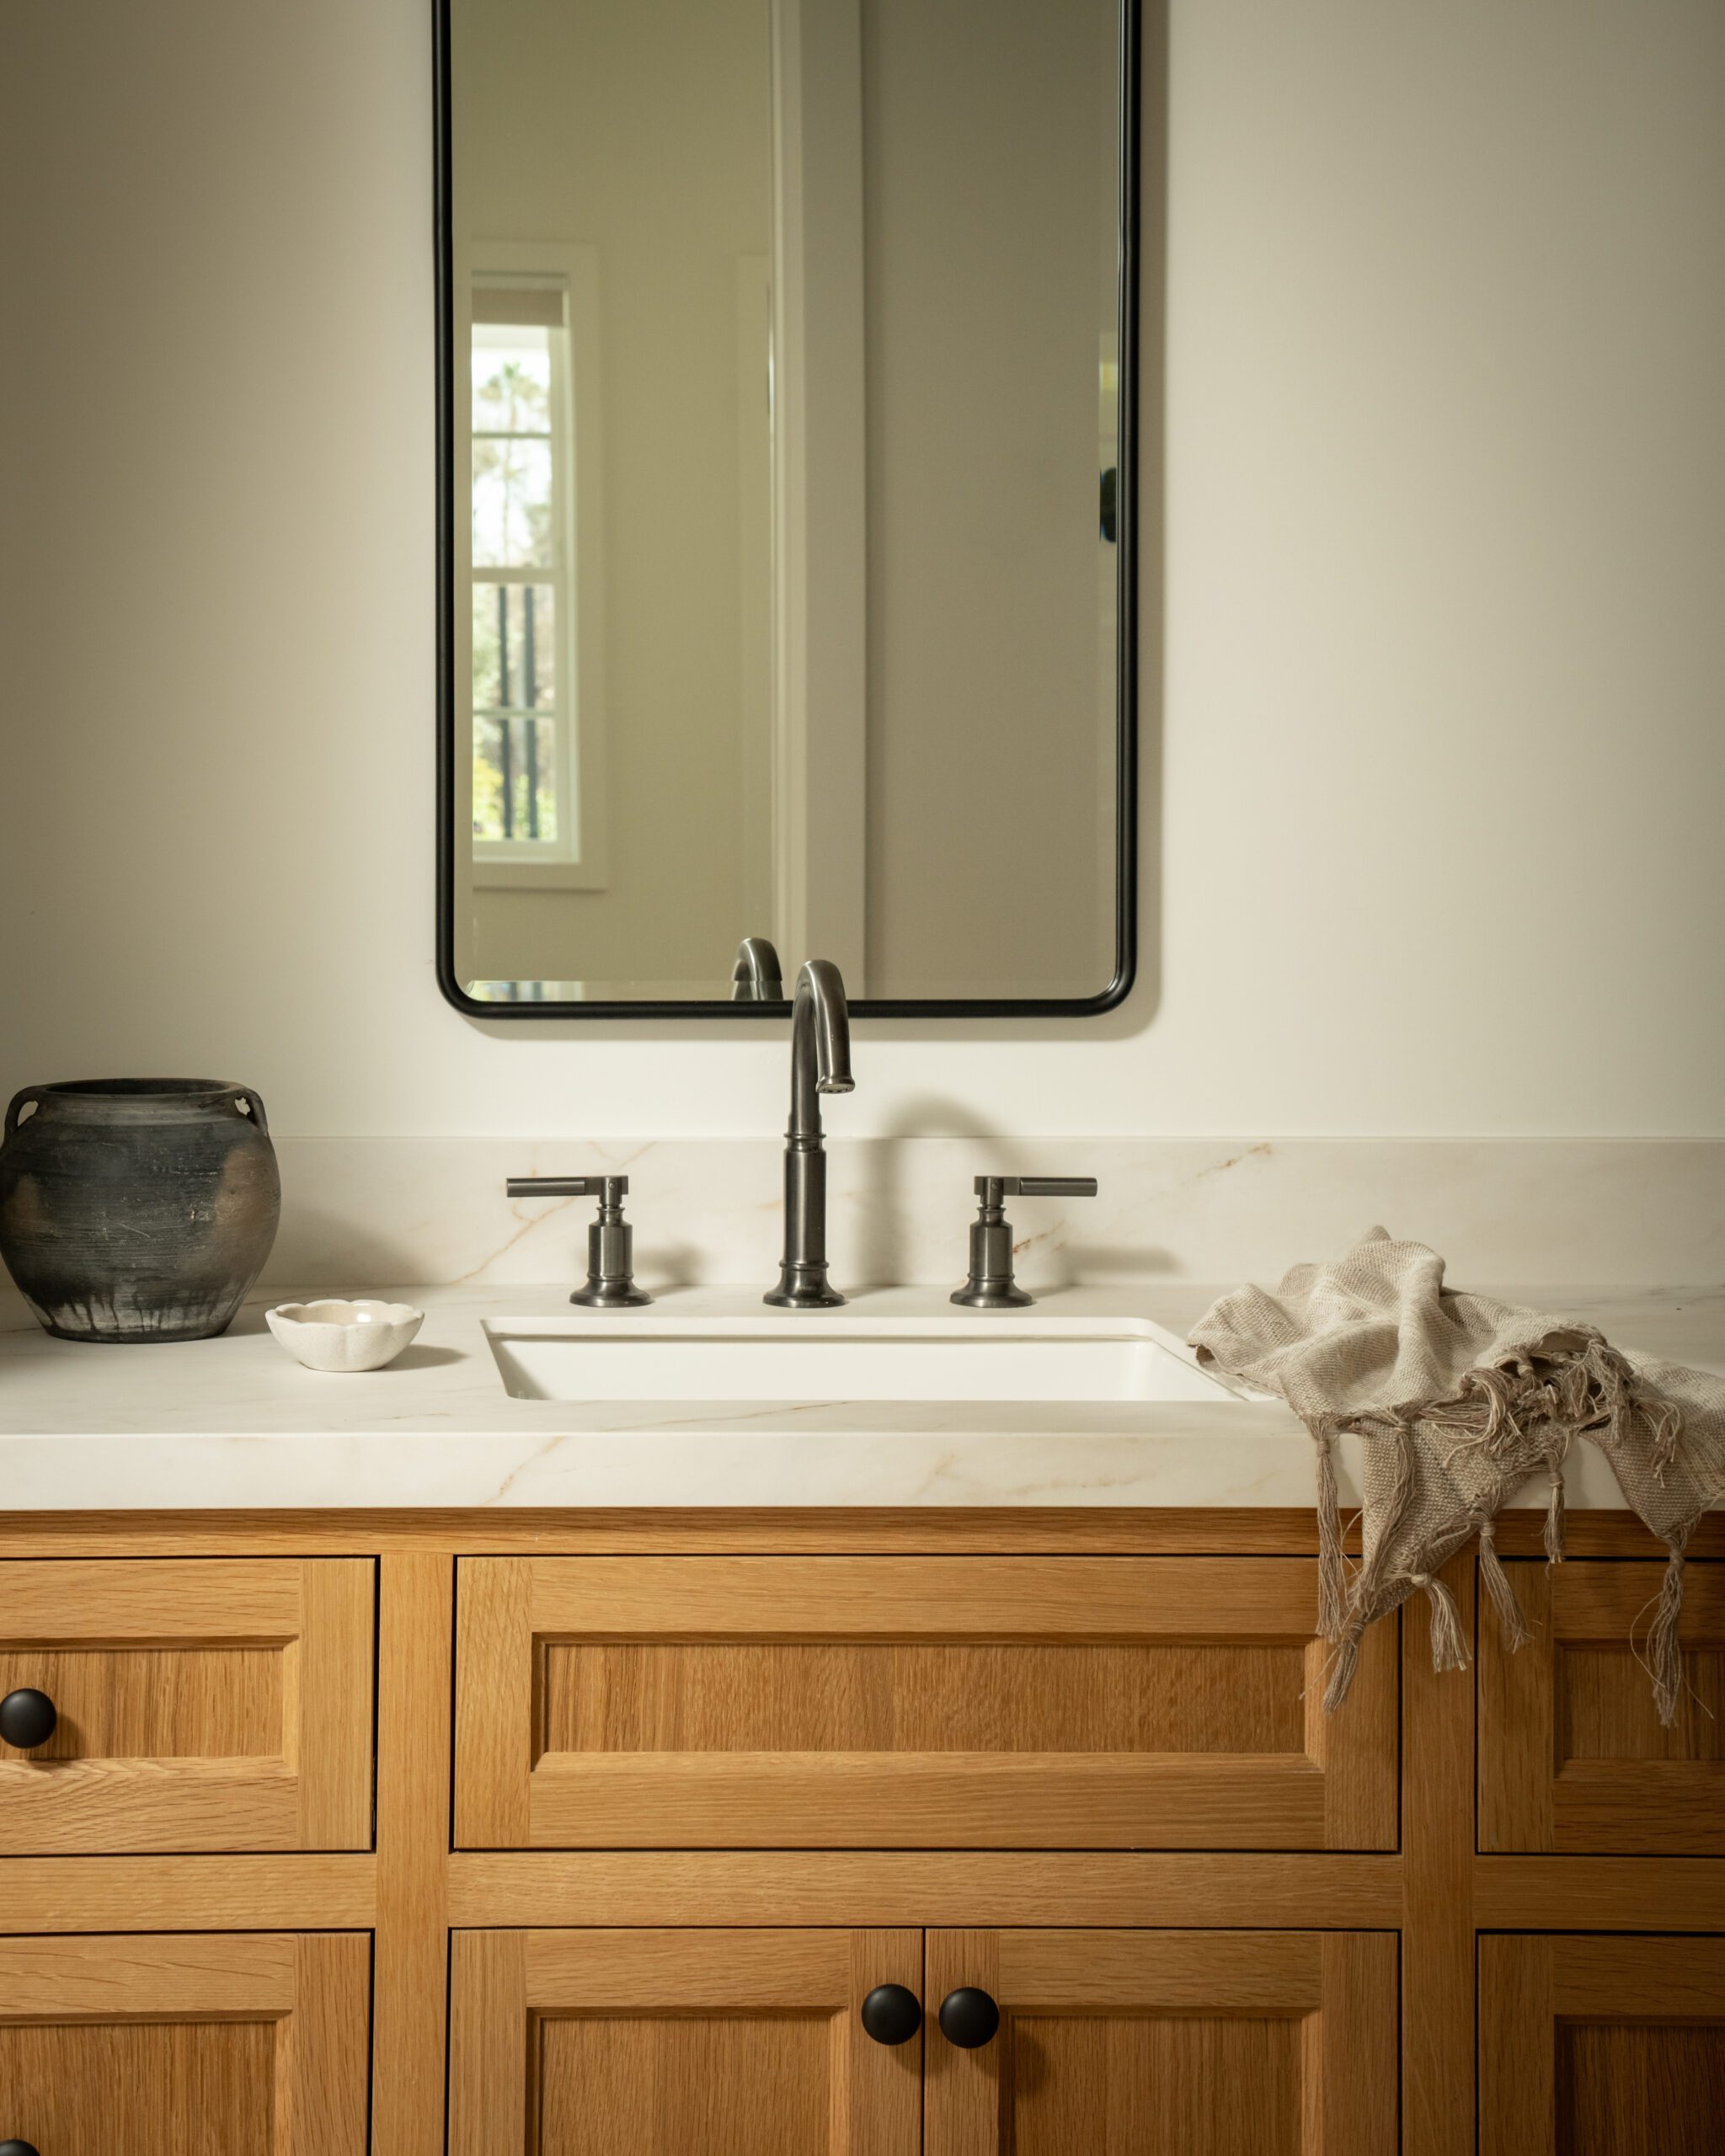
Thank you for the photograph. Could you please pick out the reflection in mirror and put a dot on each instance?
(787, 526)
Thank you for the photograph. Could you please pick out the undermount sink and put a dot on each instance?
(807, 1358)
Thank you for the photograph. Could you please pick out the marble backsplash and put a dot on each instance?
(1630, 1213)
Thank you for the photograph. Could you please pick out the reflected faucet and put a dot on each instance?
(757, 978)
(820, 1063)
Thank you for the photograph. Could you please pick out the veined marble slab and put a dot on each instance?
(234, 1424)
(1638, 1212)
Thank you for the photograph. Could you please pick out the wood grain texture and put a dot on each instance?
(215, 1704)
(734, 2042)
(193, 1893)
(1573, 1759)
(1161, 2043)
(924, 1801)
(209, 2043)
(415, 1648)
(1437, 1859)
(1593, 2046)
(1121, 1702)
(936, 1530)
(850, 1887)
(1600, 1894)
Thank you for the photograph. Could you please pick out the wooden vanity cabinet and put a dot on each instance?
(248, 2044)
(660, 1798)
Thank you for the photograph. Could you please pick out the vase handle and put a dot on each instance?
(254, 1112)
(20, 1099)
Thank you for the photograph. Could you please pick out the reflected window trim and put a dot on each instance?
(575, 860)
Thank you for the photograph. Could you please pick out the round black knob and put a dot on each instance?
(890, 2014)
(969, 2018)
(27, 1719)
(19, 2149)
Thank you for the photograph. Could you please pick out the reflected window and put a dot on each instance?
(524, 766)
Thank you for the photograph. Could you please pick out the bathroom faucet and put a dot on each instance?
(820, 1063)
(755, 977)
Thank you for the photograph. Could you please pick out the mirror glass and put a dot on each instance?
(786, 517)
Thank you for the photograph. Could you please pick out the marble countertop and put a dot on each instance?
(235, 1423)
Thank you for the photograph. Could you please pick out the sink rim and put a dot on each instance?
(854, 1328)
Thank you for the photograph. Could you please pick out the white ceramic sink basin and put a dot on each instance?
(807, 1358)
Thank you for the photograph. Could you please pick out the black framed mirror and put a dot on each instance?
(786, 394)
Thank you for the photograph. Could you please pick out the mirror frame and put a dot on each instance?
(449, 710)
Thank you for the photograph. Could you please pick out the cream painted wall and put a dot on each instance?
(1441, 753)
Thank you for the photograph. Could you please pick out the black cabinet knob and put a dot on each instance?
(27, 1719)
(969, 2018)
(19, 2149)
(890, 2014)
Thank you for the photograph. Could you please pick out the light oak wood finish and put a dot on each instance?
(1047, 1530)
(911, 1702)
(1167, 2043)
(1598, 1893)
(1573, 1759)
(1436, 1850)
(247, 2044)
(733, 2042)
(918, 1886)
(192, 1893)
(214, 1705)
(415, 1644)
(1601, 2046)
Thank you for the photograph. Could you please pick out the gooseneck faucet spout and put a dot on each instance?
(820, 1063)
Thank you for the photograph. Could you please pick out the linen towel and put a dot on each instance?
(1462, 1399)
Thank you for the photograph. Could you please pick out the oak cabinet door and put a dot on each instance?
(247, 2044)
(665, 2043)
(1572, 1757)
(912, 1702)
(1167, 2043)
(206, 1704)
(1601, 2046)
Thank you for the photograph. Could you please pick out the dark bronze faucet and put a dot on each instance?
(820, 1063)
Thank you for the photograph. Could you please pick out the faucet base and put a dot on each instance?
(991, 1295)
(611, 1295)
(802, 1287)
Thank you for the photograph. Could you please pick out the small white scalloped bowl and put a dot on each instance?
(344, 1336)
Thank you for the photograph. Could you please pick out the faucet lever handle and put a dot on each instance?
(611, 1240)
(992, 1189)
(609, 1190)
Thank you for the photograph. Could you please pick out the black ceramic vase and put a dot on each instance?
(137, 1208)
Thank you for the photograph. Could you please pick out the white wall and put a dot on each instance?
(1442, 756)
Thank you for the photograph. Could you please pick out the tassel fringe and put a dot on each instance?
(1664, 1652)
(1496, 1583)
(1332, 1591)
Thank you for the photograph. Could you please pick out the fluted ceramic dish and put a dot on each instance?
(341, 1336)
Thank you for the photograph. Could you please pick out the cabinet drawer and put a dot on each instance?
(214, 2045)
(911, 1702)
(1571, 1755)
(219, 1704)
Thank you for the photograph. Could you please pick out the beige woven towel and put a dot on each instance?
(1461, 1400)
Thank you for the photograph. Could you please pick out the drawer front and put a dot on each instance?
(1572, 1757)
(215, 2045)
(911, 1702)
(218, 1703)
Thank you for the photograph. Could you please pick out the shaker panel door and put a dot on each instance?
(1601, 2046)
(212, 2045)
(665, 2043)
(199, 1704)
(1167, 2043)
(912, 1702)
(1573, 1757)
